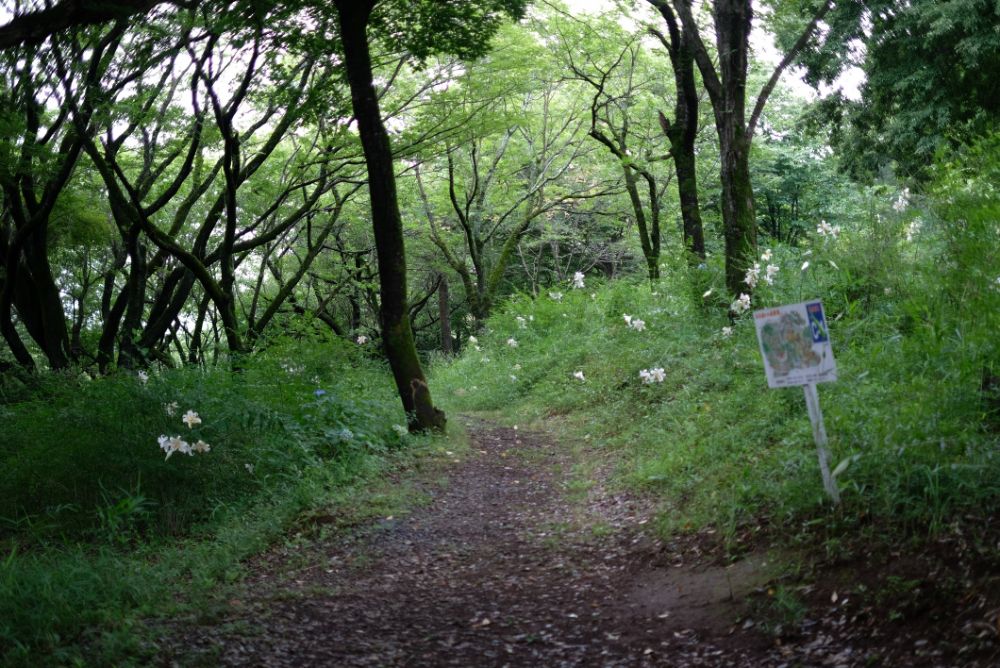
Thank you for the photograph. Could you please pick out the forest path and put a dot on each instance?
(511, 563)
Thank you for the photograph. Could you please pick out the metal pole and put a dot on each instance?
(819, 435)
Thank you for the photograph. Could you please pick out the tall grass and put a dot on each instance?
(99, 529)
(914, 310)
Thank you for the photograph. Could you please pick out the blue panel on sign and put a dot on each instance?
(817, 322)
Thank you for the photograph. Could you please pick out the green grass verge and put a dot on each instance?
(99, 531)
(909, 416)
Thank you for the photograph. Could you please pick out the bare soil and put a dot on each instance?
(510, 564)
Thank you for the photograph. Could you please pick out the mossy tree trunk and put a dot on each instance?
(740, 220)
(649, 232)
(444, 315)
(732, 31)
(397, 334)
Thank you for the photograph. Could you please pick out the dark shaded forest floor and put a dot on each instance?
(514, 562)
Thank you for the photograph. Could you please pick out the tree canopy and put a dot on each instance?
(929, 80)
(180, 179)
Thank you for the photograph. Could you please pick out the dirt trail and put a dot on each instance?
(499, 569)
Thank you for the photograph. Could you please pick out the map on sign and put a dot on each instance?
(795, 343)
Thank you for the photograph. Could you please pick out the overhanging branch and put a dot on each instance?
(33, 27)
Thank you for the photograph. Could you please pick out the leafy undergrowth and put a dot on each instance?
(100, 530)
(681, 405)
(913, 312)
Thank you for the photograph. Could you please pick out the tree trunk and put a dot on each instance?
(444, 315)
(256, 327)
(687, 189)
(683, 132)
(29, 287)
(650, 250)
(109, 334)
(9, 331)
(48, 302)
(397, 335)
(738, 215)
(196, 354)
(686, 120)
(130, 355)
(732, 32)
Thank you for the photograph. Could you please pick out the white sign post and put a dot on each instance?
(795, 344)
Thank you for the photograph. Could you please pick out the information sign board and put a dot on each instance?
(795, 344)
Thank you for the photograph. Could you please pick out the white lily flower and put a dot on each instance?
(741, 304)
(191, 419)
(173, 444)
(654, 375)
(825, 229)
